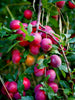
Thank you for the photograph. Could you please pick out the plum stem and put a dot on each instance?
(39, 15)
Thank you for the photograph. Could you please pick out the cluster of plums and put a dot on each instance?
(40, 94)
(41, 40)
(12, 89)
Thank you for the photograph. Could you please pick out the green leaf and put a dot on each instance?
(71, 98)
(7, 29)
(67, 91)
(64, 84)
(46, 78)
(22, 29)
(29, 29)
(20, 86)
(72, 40)
(27, 98)
(40, 64)
(29, 38)
(63, 73)
(13, 46)
(64, 68)
(26, 52)
(13, 36)
(46, 61)
(29, 70)
(71, 57)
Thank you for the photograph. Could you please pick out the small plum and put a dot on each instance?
(34, 50)
(15, 24)
(71, 5)
(12, 87)
(23, 42)
(38, 72)
(26, 83)
(3, 89)
(15, 51)
(37, 88)
(55, 17)
(30, 60)
(40, 95)
(25, 25)
(52, 74)
(37, 39)
(60, 4)
(46, 44)
(54, 86)
(17, 96)
(16, 58)
(28, 14)
(55, 61)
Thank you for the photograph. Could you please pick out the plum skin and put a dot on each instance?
(12, 87)
(46, 44)
(26, 83)
(54, 86)
(37, 87)
(40, 95)
(55, 61)
(52, 74)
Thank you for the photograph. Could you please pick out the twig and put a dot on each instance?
(5, 87)
(10, 12)
(67, 63)
(39, 16)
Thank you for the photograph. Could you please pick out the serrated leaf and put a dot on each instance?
(29, 29)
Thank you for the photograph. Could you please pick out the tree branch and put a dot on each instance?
(39, 16)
